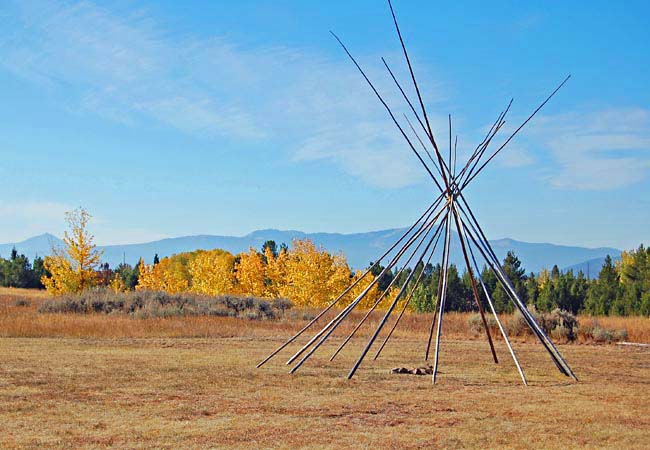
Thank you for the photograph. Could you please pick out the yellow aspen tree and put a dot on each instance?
(542, 278)
(390, 296)
(313, 275)
(339, 279)
(213, 272)
(73, 267)
(176, 271)
(145, 276)
(168, 276)
(626, 266)
(250, 272)
(371, 296)
(276, 272)
(117, 285)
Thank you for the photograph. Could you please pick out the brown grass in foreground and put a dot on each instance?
(101, 381)
(206, 393)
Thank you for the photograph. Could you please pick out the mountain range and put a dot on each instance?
(359, 248)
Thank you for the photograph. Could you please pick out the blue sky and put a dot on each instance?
(173, 118)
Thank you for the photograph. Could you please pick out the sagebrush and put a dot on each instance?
(145, 304)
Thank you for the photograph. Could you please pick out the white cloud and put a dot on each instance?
(516, 156)
(45, 211)
(127, 68)
(597, 150)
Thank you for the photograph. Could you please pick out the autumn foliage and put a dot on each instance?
(73, 268)
(304, 273)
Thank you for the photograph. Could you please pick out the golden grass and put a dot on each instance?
(97, 381)
(206, 393)
(16, 293)
(638, 328)
(25, 321)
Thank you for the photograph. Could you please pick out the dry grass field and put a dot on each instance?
(113, 382)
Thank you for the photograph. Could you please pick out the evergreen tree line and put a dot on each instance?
(620, 289)
(18, 272)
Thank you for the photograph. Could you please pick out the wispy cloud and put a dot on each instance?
(516, 156)
(597, 150)
(45, 211)
(126, 68)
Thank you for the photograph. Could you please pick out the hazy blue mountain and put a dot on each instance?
(40, 245)
(591, 268)
(359, 248)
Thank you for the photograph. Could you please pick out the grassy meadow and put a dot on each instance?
(112, 381)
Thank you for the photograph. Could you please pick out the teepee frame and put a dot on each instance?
(449, 210)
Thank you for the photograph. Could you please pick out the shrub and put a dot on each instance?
(251, 315)
(620, 335)
(144, 304)
(562, 333)
(264, 308)
(220, 311)
(475, 323)
(559, 324)
(601, 335)
(518, 325)
(282, 304)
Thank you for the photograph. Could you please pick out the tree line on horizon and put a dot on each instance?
(310, 276)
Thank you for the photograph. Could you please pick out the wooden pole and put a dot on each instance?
(390, 310)
(335, 301)
(473, 282)
(334, 323)
(494, 313)
(417, 91)
(534, 326)
(442, 300)
(438, 296)
(406, 303)
(517, 130)
(388, 109)
(388, 267)
(383, 295)
(480, 150)
(330, 331)
(451, 173)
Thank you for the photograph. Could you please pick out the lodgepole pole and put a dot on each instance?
(557, 358)
(473, 282)
(324, 333)
(406, 303)
(435, 309)
(442, 301)
(496, 317)
(517, 130)
(390, 310)
(335, 301)
(383, 294)
(388, 109)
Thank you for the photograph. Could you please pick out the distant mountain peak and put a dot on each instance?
(47, 236)
(359, 248)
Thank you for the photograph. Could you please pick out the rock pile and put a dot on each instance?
(424, 370)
